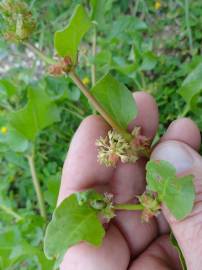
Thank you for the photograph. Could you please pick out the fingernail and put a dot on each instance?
(175, 153)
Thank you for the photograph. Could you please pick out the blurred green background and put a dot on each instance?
(152, 46)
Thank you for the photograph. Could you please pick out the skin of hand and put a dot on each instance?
(129, 243)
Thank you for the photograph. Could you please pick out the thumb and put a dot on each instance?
(188, 232)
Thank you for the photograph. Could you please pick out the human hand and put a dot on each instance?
(129, 243)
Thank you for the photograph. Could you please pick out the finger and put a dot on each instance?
(188, 232)
(160, 255)
(112, 255)
(81, 169)
(129, 180)
(183, 130)
(147, 117)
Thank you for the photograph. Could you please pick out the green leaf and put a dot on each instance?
(158, 175)
(192, 85)
(180, 197)
(16, 141)
(52, 189)
(66, 41)
(12, 139)
(149, 61)
(176, 192)
(60, 88)
(97, 10)
(72, 223)
(116, 99)
(126, 24)
(40, 112)
(7, 87)
(14, 250)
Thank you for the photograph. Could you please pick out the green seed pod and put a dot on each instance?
(98, 204)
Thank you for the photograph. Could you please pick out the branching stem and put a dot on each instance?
(93, 66)
(10, 212)
(188, 26)
(36, 185)
(78, 115)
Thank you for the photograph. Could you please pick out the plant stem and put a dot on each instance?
(184, 112)
(32, 4)
(97, 106)
(136, 7)
(87, 93)
(142, 81)
(6, 106)
(75, 107)
(41, 55)
(74, 113)
(145, 9)
(188, 26)
(130, 207)
(93, 67)
(36, 185)
(10, 212)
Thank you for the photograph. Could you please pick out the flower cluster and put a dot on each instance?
(108, 212)
(151, 206)
(18, 20)
(105, 206)
(140, 143)
(114, 147)
(63, 66)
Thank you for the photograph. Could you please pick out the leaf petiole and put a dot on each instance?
(39, 53)
(129, 207)
(10, 212)
(37, 186)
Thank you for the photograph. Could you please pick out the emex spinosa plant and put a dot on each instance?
(115, 103)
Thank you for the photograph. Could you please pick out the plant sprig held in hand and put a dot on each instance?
(117, 106)
(108, 96)
(80, 216)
